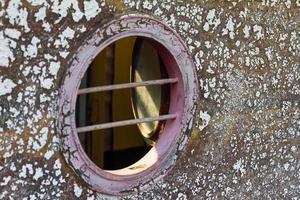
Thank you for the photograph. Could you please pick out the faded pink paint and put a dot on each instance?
(160, 158)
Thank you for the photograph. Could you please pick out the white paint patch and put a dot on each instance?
(257, 94)
(91, 9)
(44, 98)
(229, 29)
(6, 54)
(206, 26)
(49, 154)
(205, 117)
(181, 196)
(77, 15)
(43, 136)
(17, 15)
(68, 33)
(40, 140)
(246, 31)
(5, 181)
(63, 54)
(91, 198)
(269, 53)
(294, 148)
(32, 49)
(14, 112)
(82, 29)
(244, 13)
(12, 33)
(258, 30)
(288, 3)
(239, 167)
(77, 190)
(46, 83)
(26, 169)
(212, 20)
(211, 15)
(57, 167)
(6, 86)
(286, 166)
(149, 5)
(62, 8)
(38, 2)
(40, 16)
(38, 173)
(54, 67)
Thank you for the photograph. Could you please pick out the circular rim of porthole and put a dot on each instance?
(163, 155)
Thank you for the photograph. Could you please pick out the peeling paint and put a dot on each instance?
(205, 119)
(91, 9)
(6, 54)
(6, 86)
(247, 57)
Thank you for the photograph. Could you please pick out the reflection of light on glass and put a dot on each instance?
(147, 100)
(148, 103)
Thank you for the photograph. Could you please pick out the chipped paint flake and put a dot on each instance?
(66, 35)
(12, 33)
(40, 140)
(77, 190)
(31, 50)
(17, 15)
(49, 154)
(40, 16)
(54, 67)
(6, 86)
(63, 7)
(149, 5)
(258, 30)
(240, 167)
(246, 31)
(229, 29)
(247, 58)
(47, 83)
(205, 117)
(212, 20)
(6, 53)
(91, 9)
(38, 173)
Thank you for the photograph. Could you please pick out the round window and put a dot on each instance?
(127, 104)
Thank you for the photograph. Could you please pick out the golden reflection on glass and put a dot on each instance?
(146, 100)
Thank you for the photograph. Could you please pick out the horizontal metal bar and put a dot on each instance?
(125, 123)
(127, 85)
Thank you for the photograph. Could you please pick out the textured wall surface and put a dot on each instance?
(245, 141)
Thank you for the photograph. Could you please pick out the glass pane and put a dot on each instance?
(146, 101)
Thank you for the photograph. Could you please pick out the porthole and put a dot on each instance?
(127, 104)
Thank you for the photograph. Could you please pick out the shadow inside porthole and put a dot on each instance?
(128, 60)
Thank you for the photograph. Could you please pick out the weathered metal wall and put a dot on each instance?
(245, 143)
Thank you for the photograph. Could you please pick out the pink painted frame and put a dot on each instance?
(184, 94)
